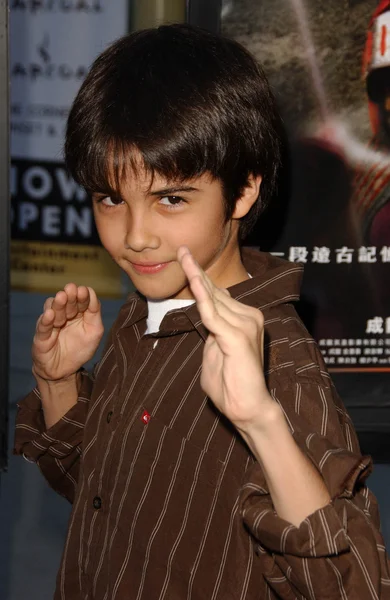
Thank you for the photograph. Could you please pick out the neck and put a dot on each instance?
(228, 269)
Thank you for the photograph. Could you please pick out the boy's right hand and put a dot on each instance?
(67, 334)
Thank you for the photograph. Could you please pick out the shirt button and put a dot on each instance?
(109, 415)
(97, 502)
(146, 417)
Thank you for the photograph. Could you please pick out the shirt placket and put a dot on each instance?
(119, 420)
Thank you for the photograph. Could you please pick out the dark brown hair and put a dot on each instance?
(185, 100)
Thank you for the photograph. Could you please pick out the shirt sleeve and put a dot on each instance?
(339, 548)
(56, 450)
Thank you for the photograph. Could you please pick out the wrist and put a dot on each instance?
(269, 425)
(58, 396)
(49, 383)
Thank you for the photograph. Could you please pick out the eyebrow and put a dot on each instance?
(174, 190)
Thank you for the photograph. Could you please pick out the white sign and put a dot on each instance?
(52, 45)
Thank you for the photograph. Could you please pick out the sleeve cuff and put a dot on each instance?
(322, 534)
(342, 470)
(32, 439)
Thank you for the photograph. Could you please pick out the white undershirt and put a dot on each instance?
(157, 309)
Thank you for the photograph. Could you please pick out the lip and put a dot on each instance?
(149, 268)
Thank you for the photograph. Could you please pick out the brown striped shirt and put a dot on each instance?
(168, 502)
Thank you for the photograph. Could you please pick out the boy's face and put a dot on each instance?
(143, 228)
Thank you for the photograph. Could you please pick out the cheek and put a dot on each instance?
(110, 232)
(206, 236)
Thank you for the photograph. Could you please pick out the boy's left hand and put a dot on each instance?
(232, 369)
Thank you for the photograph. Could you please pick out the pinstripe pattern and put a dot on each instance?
(339, 578)
(129, 543)
(176, 507)
(225, 550)
(179, 537)
(160, 520)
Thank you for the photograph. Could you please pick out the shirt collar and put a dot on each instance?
(274, 281)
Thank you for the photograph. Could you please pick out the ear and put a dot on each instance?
(248, 197)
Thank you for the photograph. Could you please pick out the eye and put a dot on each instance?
(172, 201)
(109, 201)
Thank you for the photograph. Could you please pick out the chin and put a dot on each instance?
(160, 292)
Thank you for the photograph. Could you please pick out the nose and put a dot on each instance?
(140, 234)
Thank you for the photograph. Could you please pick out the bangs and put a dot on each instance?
(108, 162)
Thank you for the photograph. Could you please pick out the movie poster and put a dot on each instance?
(52, 45)
(329, 65)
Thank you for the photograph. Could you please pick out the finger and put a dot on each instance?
(45, 326)
(249, 322)
(231, 314)
(48, 303)
(59, 307)
(71, 308)
(94, 309)
(218, 295)
(181, 251)
(226, 334)
(191, 268)
(187, 262)
(82, 298)
(222, 296)
(94, 304)
(196, 269)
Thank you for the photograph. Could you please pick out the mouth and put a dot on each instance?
(149, 268)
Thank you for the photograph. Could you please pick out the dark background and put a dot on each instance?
(318, 183)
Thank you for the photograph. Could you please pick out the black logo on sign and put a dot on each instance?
(43, 49)
(46, 68)
(64, 6)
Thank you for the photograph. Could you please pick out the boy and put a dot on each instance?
(198, 466)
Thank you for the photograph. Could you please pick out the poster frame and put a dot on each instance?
(4, 233)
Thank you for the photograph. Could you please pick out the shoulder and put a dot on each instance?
(297, 376)
(291, 353)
